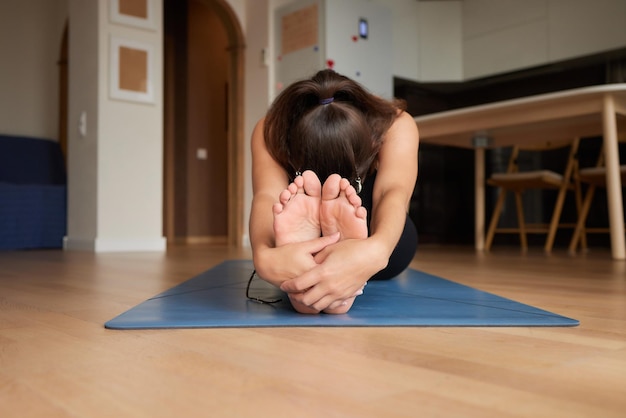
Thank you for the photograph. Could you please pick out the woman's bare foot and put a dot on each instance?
(300, 308)
(297, 214)
(341, 210)
(341, 309)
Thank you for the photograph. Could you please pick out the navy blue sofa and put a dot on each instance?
(33, 193)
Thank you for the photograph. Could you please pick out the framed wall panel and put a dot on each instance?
(137, 13)
(131, 71)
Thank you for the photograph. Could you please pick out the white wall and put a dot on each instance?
(426, 39)
(116, 169)
(82, 220)
(130, 149)
(439, 41)
(404, 37)
(459, 40)
(367, 61)
(508, 35)
(30, 44)
(256, 90)
(582, 27)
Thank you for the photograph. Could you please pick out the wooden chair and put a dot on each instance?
(516, 181)
(594, 177)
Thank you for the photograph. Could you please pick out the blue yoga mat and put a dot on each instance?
(216, 299)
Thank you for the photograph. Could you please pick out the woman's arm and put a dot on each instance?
(344, 267)
(268, 181)
(395, 182)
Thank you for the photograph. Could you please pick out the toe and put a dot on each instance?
(354, 199)
(332, 187)
(285, 196)
(311, 184)
(298, 182)
(277, 208)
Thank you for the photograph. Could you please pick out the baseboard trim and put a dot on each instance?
(211, 240)
(103, 245)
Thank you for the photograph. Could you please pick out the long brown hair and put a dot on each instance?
(328, 124)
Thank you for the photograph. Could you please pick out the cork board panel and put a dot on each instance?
(133, 69)
(135, 8)
(136, 13)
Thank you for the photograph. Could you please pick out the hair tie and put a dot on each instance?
(327, 101)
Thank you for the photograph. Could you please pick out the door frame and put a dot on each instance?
(235, 135)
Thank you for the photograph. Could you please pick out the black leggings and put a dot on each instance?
(402, 254)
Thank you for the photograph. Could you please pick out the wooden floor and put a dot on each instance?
(57, 360)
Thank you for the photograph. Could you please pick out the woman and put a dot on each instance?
(333, 171)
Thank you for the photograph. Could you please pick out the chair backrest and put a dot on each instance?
(596, 174)
(548, 145)
(536, 147)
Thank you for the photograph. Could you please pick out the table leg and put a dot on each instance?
(613, 181)
(479, 204)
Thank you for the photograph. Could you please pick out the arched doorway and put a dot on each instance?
(203, 118)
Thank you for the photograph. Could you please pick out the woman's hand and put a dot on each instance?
(276, 265)
(341, 271)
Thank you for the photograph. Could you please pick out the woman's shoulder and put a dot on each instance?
(259, 127)
(404, 123)
(260, 124)
(258, 133)
(404, 116)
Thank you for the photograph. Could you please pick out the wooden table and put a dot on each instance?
(583, 112)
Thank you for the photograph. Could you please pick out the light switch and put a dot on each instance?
(82, 124)
(202, 154)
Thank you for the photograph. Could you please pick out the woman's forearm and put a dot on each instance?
(261, 232)
(387, 222)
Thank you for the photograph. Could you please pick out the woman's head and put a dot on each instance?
(328, 124)
(331, 138)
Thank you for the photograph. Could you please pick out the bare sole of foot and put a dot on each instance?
(341, 210)
(297, 214)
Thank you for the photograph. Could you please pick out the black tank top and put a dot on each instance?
(366, 195)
